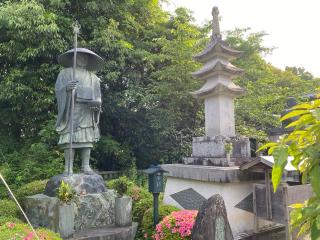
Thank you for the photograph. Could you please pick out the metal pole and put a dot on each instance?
(76, 32)
(155, 208)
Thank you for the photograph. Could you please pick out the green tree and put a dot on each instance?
(303, 143)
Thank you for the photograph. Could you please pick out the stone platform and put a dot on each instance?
(107, 233)
(90, 216)
(90, 211)
(188, 186)
(81, 183)
(210, 151)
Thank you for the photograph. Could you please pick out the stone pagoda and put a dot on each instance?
(215, 167)
(218, 93)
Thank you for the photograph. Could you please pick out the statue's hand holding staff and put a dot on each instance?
(94, 105)
(72, 85)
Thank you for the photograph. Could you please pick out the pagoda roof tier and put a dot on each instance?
(219, 89)
(218, 68)
(215, 48)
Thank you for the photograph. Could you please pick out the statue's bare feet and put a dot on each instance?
(87, 170)
(65, 173)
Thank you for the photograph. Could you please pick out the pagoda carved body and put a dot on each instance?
(218, 93)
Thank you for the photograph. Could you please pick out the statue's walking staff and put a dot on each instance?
(76, 29)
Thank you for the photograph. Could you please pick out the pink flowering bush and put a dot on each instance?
(177, 225)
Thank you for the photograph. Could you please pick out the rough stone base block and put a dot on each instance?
(211, 151)
(91, 210)
(81, 183)
(107, 233)
(221, 162)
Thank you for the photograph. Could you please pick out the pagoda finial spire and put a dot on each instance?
(216, 35)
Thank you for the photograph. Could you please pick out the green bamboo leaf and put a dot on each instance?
(276, 177)
(315, 231)
(302, 106)
(280, 155)
(318, 221)
(294, 113)
(315, 179)
(297, 205)
(293, 124)
(270, 151)
(267, 145)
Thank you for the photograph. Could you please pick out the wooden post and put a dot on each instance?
(287, 214)
(268, 194)
(255, 213)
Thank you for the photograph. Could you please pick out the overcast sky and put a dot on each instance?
(293, 26)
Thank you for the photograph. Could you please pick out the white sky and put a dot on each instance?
(293, 26)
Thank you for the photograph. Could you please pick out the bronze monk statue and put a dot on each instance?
(87, 106)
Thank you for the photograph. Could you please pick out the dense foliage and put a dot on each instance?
(13, 230)
(147, 111)
(142, 200)
(9, 208)
(148, 114)
(303, 143)
(30, 189)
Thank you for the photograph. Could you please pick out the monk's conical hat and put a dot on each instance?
(95, 62)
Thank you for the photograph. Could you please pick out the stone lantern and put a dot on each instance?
(156, 185)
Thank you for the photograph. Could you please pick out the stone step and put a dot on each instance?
(107, 233)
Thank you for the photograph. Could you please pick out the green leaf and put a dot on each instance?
(280, 155)
(315, 179)
(315, 231)
(267, 145)
(297, 205)
(276, 177)
(318, 221)
(302, 106)
(294, 113)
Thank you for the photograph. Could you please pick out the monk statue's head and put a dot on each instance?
(82, 60)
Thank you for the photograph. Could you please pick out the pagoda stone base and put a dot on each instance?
(209, 161)
(188, 186)
(211, 151)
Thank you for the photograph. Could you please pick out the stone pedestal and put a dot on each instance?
(123, 211)
(81, 183)
(91, 210)
(66, 219)
(90, 216)
(210, 151)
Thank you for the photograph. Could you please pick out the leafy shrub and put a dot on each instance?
(147, 228)
(12, 230)
(65, 192)
(8, 208)
(140, 208)
(4, 220)
(30, 189)
(121, 185)
(142, 199)
(177, 225)
(112, 183)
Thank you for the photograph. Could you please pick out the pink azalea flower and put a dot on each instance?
(29, 236)
(177, 225)
(11, 225)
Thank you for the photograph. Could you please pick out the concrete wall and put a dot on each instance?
(232, 193)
